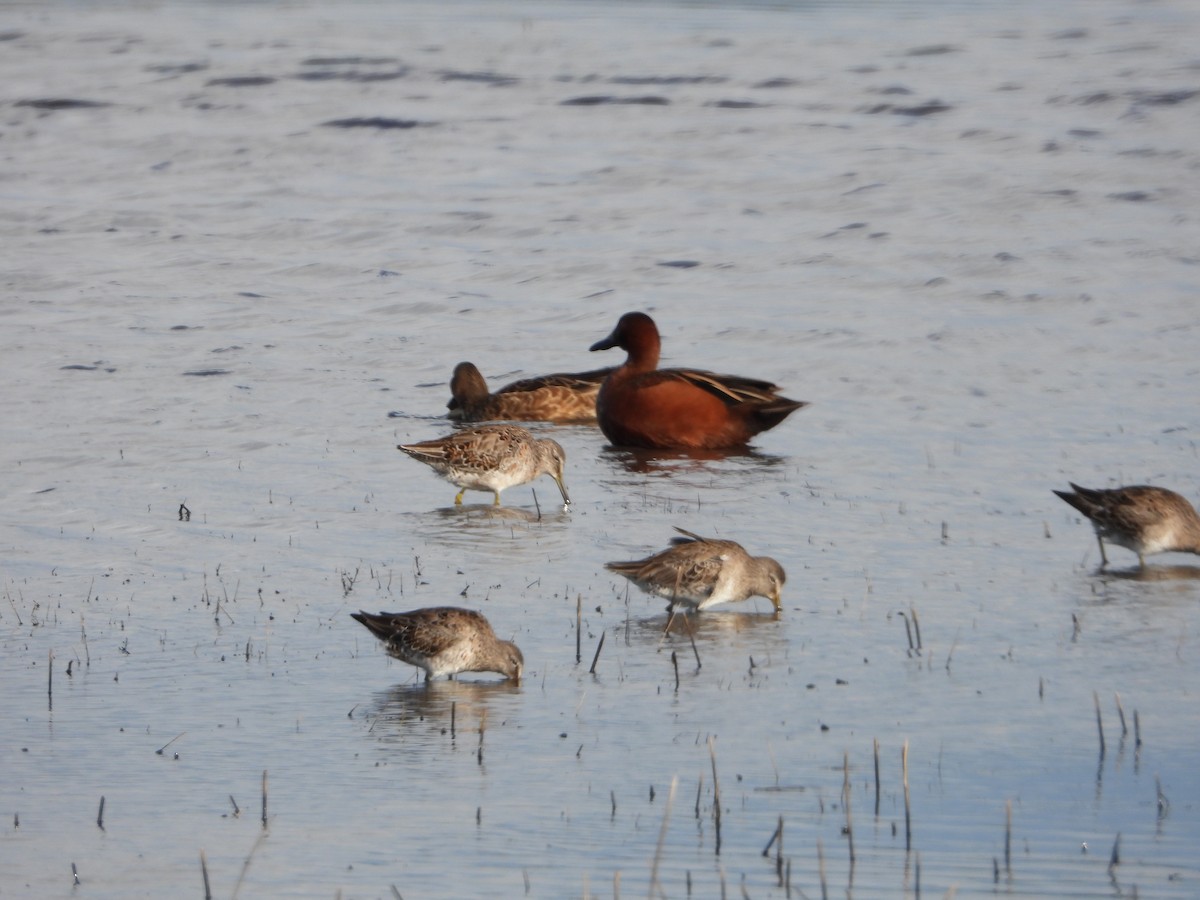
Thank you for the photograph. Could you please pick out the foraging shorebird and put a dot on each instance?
(1139, 517)
(700, 572)
(444, 640)
(492, 458)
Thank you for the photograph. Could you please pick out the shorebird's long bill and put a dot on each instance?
(562, 489)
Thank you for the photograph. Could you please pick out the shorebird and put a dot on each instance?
(561, 397)
(491, 458)
(640, 405)
(444, 640)
(1139, 517)
(700, 572)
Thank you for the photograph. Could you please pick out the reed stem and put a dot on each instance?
(846, 803)
(662, 836)
(821, 870)
(712, 753)
(876, 742)
(1008, 838)
(596, 658)
(204, 872)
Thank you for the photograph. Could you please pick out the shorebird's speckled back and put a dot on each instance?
(1139, 517)
(492, 458)
(445, 640)
(702, 572)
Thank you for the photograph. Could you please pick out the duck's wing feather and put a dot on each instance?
(575, 381)
(730, 388)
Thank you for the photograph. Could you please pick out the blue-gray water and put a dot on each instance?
(966, 234)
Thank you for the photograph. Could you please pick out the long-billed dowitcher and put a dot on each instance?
(444, 640)
(492, 458)
(561, 397)
(702, 572)
(641, 405)
(1140, 517)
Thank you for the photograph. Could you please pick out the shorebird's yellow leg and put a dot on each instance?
(496, 502)
(458, 497)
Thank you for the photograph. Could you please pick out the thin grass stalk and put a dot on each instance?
(846, 804)
(662, 837)
(876, 743)
(204, 872)
(821, 870)
(596, 658)
(1008, 838)
(712, 753)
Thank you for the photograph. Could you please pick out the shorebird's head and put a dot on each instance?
(772, 579)
(552, 461)
(512, 660)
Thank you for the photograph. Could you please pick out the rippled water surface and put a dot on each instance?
(967, 234)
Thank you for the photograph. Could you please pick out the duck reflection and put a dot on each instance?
(665, 462)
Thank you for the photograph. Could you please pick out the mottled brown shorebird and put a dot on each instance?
(561, 397)
(701, 572)
(1139, 517)
(492, 458)
(444, 640)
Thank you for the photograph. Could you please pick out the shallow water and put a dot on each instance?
(213, 299)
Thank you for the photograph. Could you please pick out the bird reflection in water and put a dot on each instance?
(1155, 573)
(639, 461)
(438, 709)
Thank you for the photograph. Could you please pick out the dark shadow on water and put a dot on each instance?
(419, 417)
(1153, 573)
(665, 462)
